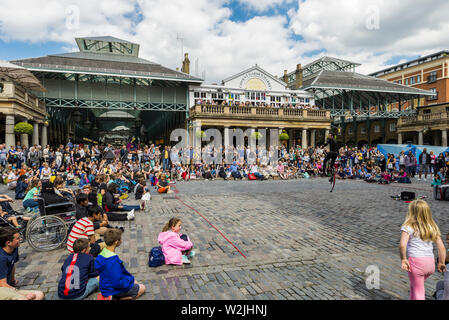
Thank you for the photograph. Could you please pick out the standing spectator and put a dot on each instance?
(165, 158)
(419, 232)
(424, 163)
(3, 155)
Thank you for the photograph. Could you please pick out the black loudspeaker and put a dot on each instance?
(407, 196)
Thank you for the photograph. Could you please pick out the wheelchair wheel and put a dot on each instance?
(46, 233)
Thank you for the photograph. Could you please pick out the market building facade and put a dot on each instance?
(254, 100)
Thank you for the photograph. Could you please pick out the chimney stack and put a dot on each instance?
(286, 77)
(299, 76)
(186, 64)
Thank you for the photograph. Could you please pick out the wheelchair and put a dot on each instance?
(51, 228)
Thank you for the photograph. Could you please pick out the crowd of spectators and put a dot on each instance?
(278, 105)
(98, 178)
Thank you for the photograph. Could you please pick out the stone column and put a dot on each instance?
(420, 138)
(326, 134)
(444, 137)
(252, 143)
(313, 138)
(291, 134)
(44, 139)
(35, 137)
(304, 138)
(24, 138)
(196, 134)
(226, 141)
(399, 138)
(10, 137)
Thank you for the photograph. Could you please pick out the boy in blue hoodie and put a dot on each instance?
(115, 280)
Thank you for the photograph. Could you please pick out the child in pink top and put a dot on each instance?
(176, 247)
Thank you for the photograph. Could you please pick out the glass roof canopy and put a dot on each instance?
(108, 45)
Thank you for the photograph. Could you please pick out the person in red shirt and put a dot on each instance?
(84, 229)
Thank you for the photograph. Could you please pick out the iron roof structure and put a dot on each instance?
(107, 56)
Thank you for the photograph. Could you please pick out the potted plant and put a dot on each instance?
(23, 128)
(284, 136)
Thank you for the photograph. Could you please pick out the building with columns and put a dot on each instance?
(255, 100)
(428, 124)
(19, 103)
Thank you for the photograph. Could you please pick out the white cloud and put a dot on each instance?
(373, 32)
(40, 21)
(263, 5)
(225, 47)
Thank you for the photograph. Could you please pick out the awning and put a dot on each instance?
(20, 75)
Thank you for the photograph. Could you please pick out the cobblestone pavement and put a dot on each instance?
(287, 240)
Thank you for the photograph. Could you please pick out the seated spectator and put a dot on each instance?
(10, 217)
(280, 170)
(9, 255)
(385, 177)
(176, 247)
(84, 229)
(32, 192)
(12, 179)
(115, 280)
(140, 189)
(163, 185)
(21, 187)
(111, 204)
(87, 278)
(61, 190)
(49, 195)
(81, 208)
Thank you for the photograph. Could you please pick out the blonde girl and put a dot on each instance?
(419, 232)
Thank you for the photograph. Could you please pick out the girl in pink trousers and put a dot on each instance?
(419, 232)
(176, 247)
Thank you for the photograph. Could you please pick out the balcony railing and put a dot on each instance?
(27, 99)
(265, 113)
(427, 118)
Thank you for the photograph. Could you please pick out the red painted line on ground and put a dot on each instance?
(177, 198)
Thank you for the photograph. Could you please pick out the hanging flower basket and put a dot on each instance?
(23, 128)
(284, 136)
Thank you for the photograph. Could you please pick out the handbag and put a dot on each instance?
(252, 176)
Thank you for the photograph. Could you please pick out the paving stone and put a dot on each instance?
(286, 229)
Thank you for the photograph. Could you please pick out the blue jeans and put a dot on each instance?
(164, 164)
(129, 208)
(30, 203)
(92, 285)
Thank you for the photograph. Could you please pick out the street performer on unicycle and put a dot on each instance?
(332, 156)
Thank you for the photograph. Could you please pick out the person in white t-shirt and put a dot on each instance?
(419, 232)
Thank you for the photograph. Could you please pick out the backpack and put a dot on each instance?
(157, 258)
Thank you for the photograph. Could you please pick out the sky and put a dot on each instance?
(225, 37)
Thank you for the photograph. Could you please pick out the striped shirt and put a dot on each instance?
(82, 229)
